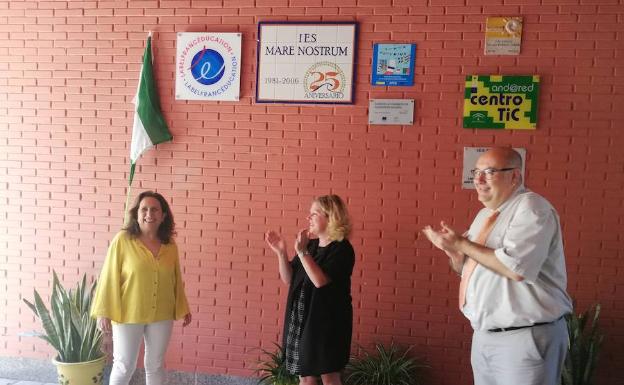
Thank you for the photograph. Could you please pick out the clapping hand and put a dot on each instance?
(444, 239)
(301, 243)
(275, 241)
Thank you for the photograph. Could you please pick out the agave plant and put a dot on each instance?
(585, 341)
(272, 369)
(67, 326)
(388, 366)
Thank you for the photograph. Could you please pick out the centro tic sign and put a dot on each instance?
(208, 66)
(503, 102)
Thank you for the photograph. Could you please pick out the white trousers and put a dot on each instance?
(126, 343)
(529, 356)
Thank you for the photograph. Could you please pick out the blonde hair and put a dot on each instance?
(339, 223)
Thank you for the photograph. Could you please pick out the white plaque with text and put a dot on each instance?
(306, 62)
(391, 111)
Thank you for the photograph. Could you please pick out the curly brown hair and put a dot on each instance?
(166, 230)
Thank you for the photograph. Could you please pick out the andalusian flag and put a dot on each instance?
(149, 125)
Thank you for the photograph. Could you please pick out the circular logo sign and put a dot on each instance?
(324, 80)
(207, 66)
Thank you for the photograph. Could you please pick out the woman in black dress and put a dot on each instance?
(319, 315)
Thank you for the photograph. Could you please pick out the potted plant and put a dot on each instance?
(585, 341)
(72, 332)
(387, 366)
(272, 369)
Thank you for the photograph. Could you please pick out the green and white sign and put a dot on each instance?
(502, 102)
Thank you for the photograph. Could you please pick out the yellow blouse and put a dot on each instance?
(135, 287)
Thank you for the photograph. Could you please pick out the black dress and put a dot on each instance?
(319, 321)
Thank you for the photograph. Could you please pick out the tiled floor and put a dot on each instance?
(6, 381)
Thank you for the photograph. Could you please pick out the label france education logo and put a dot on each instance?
(208, 66)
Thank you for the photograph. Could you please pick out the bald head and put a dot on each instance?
(505, 176)
(505, 156)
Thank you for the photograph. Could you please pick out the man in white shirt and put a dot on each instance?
(513, 286)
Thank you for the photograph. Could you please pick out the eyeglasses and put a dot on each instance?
(488, 172)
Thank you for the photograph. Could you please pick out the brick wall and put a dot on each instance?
(68, 72)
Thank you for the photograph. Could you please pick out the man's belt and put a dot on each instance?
(498, 330)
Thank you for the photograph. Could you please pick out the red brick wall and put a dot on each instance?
(68, 72)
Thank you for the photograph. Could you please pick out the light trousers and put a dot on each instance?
(529, 356)
(126, 343)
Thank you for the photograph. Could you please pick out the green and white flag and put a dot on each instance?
(149, 126)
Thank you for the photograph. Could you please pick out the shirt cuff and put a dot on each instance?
(513, 265)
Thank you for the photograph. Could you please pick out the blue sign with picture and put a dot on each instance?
(393, 64)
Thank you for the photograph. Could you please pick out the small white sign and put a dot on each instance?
(391, 111)
(503, 35)
(471, 154)
(208, 66)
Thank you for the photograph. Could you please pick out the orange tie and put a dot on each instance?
(470, 264)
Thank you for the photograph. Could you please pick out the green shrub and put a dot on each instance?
(68, 326)
(585, 341)
(387, 366)
(272, 368)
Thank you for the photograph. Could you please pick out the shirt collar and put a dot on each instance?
(519, 190)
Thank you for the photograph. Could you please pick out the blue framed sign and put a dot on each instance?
(393, 64)
(306, 62)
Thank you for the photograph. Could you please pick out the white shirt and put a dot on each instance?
(526, 238)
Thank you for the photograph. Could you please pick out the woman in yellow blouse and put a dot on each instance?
(141, 290)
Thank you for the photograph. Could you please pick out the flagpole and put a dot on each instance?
(126, 214)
